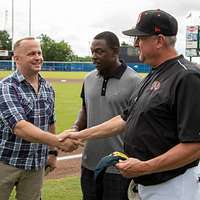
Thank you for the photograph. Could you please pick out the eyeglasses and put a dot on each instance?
(138, 38)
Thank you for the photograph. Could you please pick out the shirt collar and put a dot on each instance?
(118, 72)
(167, 62)
(20, 77)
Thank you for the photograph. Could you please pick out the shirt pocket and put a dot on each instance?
(49, 106)
(28, 105)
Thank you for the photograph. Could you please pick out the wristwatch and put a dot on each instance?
(53, 152)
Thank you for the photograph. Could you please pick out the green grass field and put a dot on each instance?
(59, 189)
(68, 103)
(57, 75)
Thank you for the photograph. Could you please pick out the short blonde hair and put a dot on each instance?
(18, 42)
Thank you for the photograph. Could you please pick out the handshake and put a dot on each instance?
(69, 141)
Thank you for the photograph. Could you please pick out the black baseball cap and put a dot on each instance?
(154, 22)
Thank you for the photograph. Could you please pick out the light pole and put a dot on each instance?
(12, 33)
(30, 17)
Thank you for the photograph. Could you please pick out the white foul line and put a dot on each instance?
(70, 157)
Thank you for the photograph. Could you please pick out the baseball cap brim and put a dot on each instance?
(135, 32)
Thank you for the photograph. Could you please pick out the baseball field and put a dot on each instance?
(67, 86)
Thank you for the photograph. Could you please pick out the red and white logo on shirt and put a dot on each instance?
(155, 86)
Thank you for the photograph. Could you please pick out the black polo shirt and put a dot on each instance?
(164, 113)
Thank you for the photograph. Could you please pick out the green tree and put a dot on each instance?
(5, 40)
(81, 59)
(124, 44)
(55, 51)
(5, 44)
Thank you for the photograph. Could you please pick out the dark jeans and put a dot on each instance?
(115, 186)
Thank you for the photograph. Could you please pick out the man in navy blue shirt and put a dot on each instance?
(27, 125)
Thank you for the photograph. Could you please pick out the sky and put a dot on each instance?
(78, 21)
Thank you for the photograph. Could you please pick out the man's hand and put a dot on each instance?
(132, 167)
(70, 133)
(52, 161)
(66, 143)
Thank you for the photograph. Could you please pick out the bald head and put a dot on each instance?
(18, 43)
(28, 55)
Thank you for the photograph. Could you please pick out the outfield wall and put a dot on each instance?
(73, 66)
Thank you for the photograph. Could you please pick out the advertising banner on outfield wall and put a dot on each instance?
(3, 53)
(192, 41)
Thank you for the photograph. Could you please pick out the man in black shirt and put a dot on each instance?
(162, 125)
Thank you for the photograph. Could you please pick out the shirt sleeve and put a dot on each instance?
(10, 107)
(187, 102)
(52, 118)
(83, 95)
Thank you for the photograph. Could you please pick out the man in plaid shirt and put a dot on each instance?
(27, 125)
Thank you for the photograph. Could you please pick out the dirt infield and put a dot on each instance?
(64, 80)
(66, 167)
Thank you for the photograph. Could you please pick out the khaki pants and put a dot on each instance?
(28, 183)
(132, 195)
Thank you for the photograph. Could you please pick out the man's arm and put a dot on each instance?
(111, 127)
(81, 121)
(31, 133)
(178, 156)
(52, 130)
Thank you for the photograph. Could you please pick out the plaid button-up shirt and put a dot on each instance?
(18, 101)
